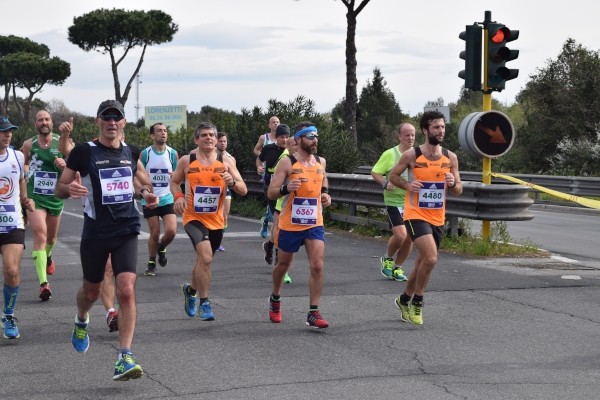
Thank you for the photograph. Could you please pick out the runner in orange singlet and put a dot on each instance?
(301, 178)
(207, 178)
(432, 172)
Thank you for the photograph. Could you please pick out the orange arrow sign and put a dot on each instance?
(496, 135)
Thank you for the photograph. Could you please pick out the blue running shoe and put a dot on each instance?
(126, 368)
(9, 322)
(206, 314)
(264, 229)
(190, 302)
(79, 337)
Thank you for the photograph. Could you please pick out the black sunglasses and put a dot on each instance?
(109, 117)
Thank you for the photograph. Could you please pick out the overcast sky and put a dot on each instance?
(235, 54)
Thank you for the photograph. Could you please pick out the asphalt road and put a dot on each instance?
(565, 231)
(494, 329)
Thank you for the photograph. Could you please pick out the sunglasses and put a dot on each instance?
(311, 136)
(109, 117)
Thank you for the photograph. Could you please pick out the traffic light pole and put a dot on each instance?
(486, 168)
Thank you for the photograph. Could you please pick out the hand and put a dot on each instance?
(76, 189)
(60, 163)
(294, 185)
(227, 177)
(66, 127)
(450, 181)
(325, 199)
(29, 204)
(415, 186)
(179, 206)
(151, 199)
(260, 170)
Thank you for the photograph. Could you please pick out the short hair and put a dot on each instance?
(204, 125)
(221, 134)
(154, 125)
(402, 125)
(429, 116)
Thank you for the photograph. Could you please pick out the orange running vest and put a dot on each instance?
(205, 193)
(429, 204)
(301, 209)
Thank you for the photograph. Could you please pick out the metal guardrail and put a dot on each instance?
(575, 185)
(478, 201)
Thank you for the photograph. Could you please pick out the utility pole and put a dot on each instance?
(137, 96)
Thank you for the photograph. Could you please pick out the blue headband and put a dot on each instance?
(304, 131)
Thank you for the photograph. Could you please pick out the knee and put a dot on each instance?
(11, 274)
(92, 293)
(317, 268)
(154, 235)
(430, 260)
(125, 294)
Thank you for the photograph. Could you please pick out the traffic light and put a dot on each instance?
(498, 54)
(472, 56)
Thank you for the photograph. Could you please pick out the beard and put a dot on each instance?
(309, 148)
(433, 140)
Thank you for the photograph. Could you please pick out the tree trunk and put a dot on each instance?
(351, 103)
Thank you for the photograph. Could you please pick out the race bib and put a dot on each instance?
(117, 185)
(432, 195)
(304, 211)
(44, 182)
(206, 199)
(8, 218)
(159, 177)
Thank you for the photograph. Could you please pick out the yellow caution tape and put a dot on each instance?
(569, 197)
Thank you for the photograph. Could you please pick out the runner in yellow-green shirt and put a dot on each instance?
(393, 198)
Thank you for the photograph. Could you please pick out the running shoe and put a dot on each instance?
(112, 320)
(404, 310)
(264, 229)
(387, 267)
(50, 266)
(190, 302)
(126, 368)
(162, 256)
(9, 323)
(268, 248)
(286, 278)
(221, 248)
(315, 320)
(398, 275)
(416, 312)
(151, 268)
(79, 337)
(274, 310)
(205, 313)
(45, 292)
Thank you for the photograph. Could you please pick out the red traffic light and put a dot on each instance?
(504, 34)
(498, 37)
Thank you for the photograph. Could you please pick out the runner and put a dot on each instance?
(432, 172)
(264, 140)
(206, 178)
(13, 196)
(302, 179)
(393, 198)
(102, 171)
(44, 164)
(160, 161)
